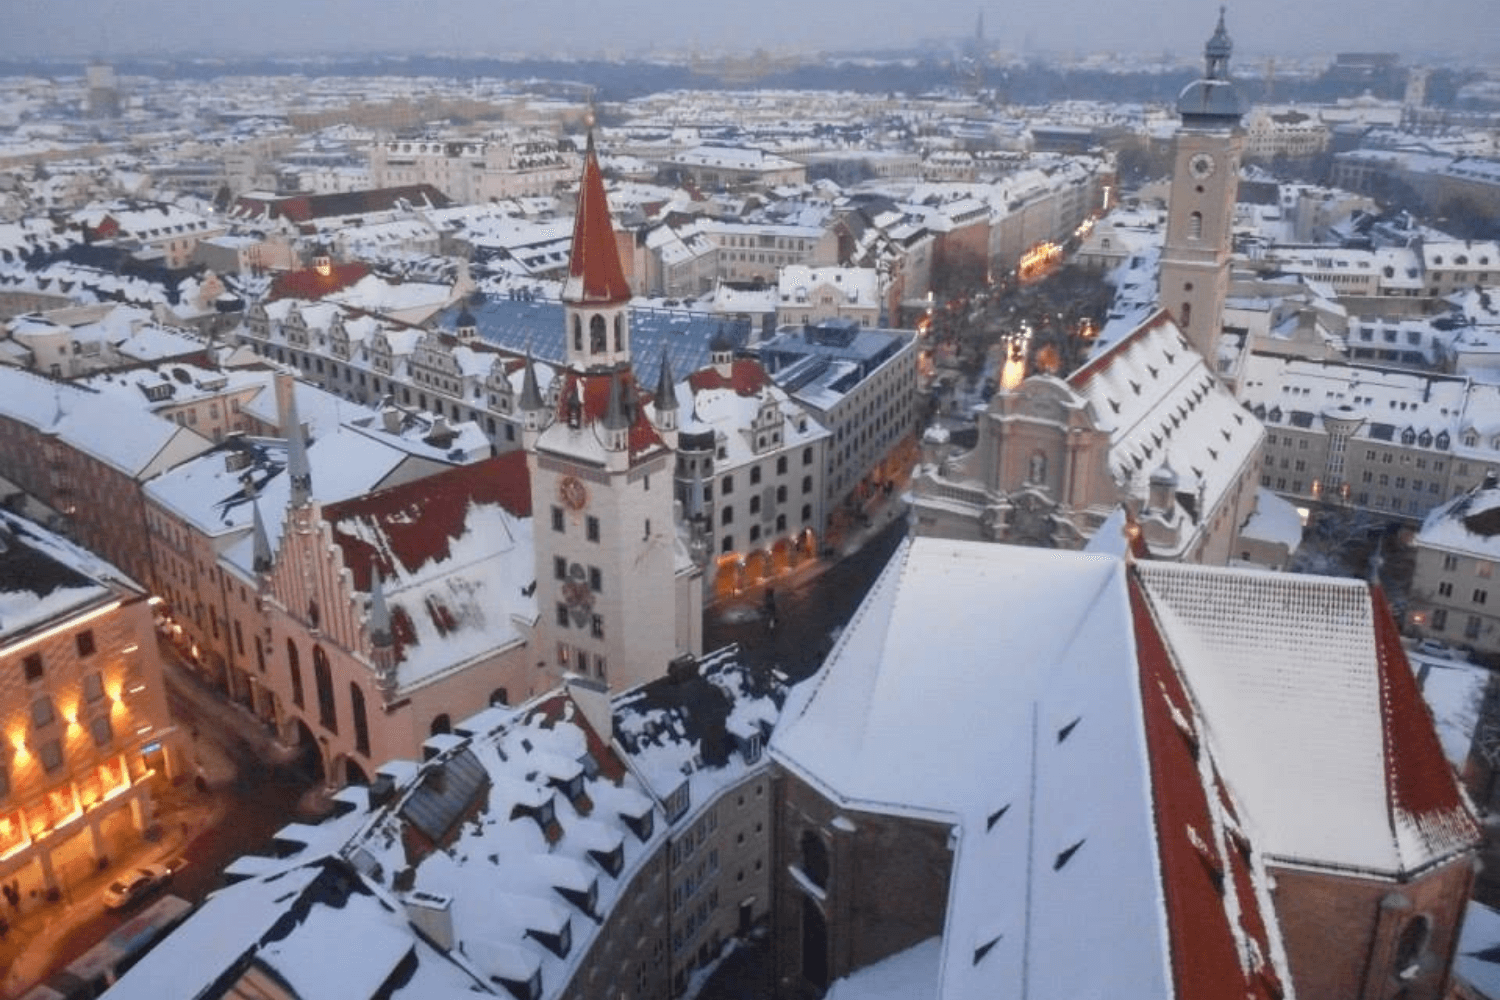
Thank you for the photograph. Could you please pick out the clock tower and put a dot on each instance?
(1200, 213)
(610, 606)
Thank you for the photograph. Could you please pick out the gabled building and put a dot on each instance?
(87, 736)
(1457, 551)
(1145, 424)
(1206, 859)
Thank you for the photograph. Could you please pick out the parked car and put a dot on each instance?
(135, 885)
(1437, 649)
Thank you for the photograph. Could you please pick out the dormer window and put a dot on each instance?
(560, 943)
(612, 861)
(642, 825)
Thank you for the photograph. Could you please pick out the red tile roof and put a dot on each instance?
(1201, 861)
(747, 377)
(562, 706)
(1419, 781)
(595, 260)
(596, 388)
(312, 285)
(416, 522)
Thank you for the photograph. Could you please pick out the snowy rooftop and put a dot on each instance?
(44, 577)
(889, 725)
(506, 848)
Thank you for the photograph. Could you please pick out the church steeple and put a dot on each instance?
(595, 295)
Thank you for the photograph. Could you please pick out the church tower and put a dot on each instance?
(1200, 213)
(601, 482)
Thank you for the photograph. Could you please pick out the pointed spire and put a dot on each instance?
(261, 558)
(615, 416)
(1217, 51)
(595, 276)
(381, 635)
(666, 386)
(298, 470)
(531, 394)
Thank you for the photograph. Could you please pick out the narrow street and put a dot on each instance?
(243, 803)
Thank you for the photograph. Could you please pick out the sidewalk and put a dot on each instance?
(38, 933)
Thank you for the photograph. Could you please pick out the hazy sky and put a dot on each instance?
(116, 28)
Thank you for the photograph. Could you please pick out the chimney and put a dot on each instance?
(432, 915)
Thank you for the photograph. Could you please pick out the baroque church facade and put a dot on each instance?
(1146, 424)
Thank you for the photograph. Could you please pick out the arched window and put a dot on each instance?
(814, 859)
(1187, 315)
(1410, 947)
(312, 613)
(619, 333)
(361, 724)
(260, 654)
(294, 665)
(1036, 471)
(598, 335)
(323, 676)
(577, 334)
(440, 725)
(1195, 226)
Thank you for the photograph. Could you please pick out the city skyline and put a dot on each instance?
(119, 28)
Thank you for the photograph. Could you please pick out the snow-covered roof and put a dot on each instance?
(921, 711)
(44, 577)
(463, 874)
(1315, 715)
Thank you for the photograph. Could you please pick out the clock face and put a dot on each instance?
(572, 492)
(1201, 165)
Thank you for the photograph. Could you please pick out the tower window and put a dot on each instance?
(1195, 226)
(593, 529)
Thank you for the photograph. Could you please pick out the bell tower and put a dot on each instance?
(1200, 212)
(610, 606)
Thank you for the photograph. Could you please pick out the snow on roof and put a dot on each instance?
(124, 436)
(1469, 523)
(43, 577)
(1314, 715)
(920, 711)
(1162, 405)
(526, 824)
(892, 724)
(455, 577)
(1275, 520)
(1453, 691)
(907, 975)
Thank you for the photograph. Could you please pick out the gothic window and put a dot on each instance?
(323, 677)
(1187, 314)
(577, 334)
(814, 859)
(619, 333)
(294, 664)
(440, 725)
(598, 337)
(361, 724)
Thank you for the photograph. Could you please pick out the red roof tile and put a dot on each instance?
(747, 377)
(596, 386)
(596, 257)
(416, 522)
(312, 285)
(1199, 861)
(1419, 781)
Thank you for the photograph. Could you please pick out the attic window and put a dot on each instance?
(984, 949)
(1067, 730)
(1065, 856)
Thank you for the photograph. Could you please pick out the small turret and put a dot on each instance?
(261, 559)
(721, 353)
(382, 637)
(531, 405)
(666, 399)
(467, 327)
(616, 416)
(1161, 497)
